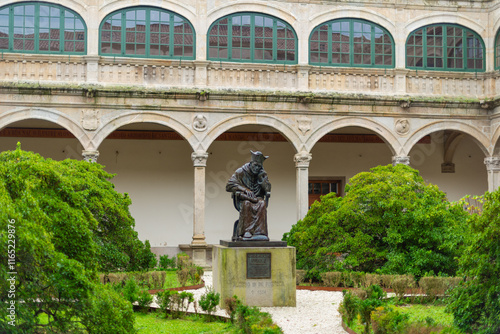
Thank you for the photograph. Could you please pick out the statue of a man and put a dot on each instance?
(251, 191)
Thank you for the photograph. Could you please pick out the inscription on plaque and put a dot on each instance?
(258, 265)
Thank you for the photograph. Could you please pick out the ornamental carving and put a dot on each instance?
(199, 158)
(90, 119)
(402, 127)
(400, 159)
(304, 125)
(492, 163)
(200, 123)
(302, 159)
(90, 156)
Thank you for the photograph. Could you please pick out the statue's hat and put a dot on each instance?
(258, 157)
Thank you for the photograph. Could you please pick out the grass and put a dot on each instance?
(156, 323)
(171, 280)
(417, 313)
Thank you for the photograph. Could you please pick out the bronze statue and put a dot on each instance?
(251, 190)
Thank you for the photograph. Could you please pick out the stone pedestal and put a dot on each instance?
(258, 276)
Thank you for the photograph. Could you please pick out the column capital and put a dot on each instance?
(302, 159)
(400, 159)
(492, 163)
(199, 158)
(90, 156)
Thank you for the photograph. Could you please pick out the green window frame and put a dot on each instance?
(441, 47)
(145, 32)
(252, 37)
(497, 50)
(351, 43)
(42, 28)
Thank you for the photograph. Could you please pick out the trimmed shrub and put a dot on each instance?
(166, 262)
(300, 276)
(332, 278)
(401, 283)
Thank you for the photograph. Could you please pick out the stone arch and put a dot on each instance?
(481, 140)
(235, 121)
(247, 6)
(428, 19)
(173, 6)
(495, 142)
(386, 135)
(50, 115)
(351, 13)
(142, 117)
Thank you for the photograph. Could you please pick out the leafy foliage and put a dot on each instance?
(69, 223)
(209, 301)
(390, 220)
(475, 303)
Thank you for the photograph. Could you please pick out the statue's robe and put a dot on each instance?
(253, 216)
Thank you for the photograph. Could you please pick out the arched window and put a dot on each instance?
(497, 51)
(39, 27)
(252, 37)
(147, 32)
(445, 47)
(351, 43)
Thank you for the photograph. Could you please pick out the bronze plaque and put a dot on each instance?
(258, 265)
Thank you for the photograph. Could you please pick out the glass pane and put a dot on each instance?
(317, 188)
(325, 188)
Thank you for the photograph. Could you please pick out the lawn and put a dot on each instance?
(156, 323)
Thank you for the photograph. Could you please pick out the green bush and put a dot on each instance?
(69, 222)
(434, 286)
(475, 303)
(300, 276)
(389, 220)
(349, 307)
(131, 290)
(166, 301)
(166, 262)
(250, 320)
(144, 299)
(209, 302)
(387, 320)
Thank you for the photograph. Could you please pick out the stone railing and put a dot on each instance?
(225, 75)
(449, 84)
(36, 68)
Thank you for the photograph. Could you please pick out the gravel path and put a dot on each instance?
(316, 311)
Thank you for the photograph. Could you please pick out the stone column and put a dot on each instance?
(90, 156)
(302, 161)
(493, 168)
(198, 244)
(400, 159)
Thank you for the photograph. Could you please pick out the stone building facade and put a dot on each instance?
(172, 95)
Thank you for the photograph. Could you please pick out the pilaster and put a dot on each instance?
(200, 162)
(493, 170)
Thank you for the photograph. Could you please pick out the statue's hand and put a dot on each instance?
(249, 194)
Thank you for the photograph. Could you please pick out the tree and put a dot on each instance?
(67, 222)
(389, 220)
(475, 303)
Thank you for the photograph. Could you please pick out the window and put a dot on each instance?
(39, 27)
(497, 51)
(252, 37)
(147, 32)
(445, 47)
(351, 43)
(321, 187)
